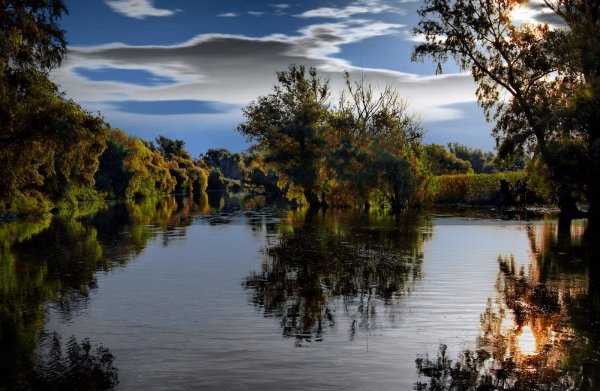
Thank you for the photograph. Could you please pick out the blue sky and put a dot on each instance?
(186, 68)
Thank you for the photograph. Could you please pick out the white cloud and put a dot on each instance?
(237, 69)
(360, 7)
(228, 15)
(280, 6)
(138, 9)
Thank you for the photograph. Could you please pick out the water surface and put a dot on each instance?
(247, 296)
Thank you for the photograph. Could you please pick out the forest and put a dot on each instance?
(357, 148)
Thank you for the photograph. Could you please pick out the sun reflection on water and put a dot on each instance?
(526, 341)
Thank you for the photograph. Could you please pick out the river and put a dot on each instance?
(246, 296)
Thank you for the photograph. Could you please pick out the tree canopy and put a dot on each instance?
(539, 83)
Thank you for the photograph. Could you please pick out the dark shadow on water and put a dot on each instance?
(542, 330)
(327, 262)
(54, 264)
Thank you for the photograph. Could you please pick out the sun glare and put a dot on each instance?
(522, 14)
(526, 341)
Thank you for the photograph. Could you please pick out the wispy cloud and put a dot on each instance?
(357, 8)
(138, 9)
(203, 71)
(228, 15)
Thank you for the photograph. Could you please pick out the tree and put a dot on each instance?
(169, 148)
(482, 162)
(49, 146)
(442, 161)
(129, 169)
(378, 144)
(288, 125)
(31, 39)
(523, 82)
(230, 164)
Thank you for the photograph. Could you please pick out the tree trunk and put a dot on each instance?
(566, 203)
(324, 203)
(593, 177)
(312, 199)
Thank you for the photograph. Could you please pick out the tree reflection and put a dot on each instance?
(56, 262)
(325, 260)
(543, 329)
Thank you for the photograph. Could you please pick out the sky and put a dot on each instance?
(186, 68)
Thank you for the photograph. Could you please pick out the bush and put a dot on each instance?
(480, 189)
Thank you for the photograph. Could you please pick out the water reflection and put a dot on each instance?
(55, 262)
(542, 330)
(323, 263)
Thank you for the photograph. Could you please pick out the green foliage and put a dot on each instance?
(31, 36)
(129, 169)
(216, 181)
(442, 161)
(538, 82)
(377, 146)
(47, 143)
(288, 126)
(481, 162)
(231, 164)
(479, 189)
(189, 177)
(171, 148)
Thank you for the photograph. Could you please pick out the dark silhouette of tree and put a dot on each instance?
(170, 148)
(230, 164)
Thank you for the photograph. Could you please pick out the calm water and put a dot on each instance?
(186, 296)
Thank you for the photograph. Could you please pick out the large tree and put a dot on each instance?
(529, 77)
(288, 125)
(48, 145)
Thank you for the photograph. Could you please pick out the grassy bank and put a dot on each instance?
(481, 189)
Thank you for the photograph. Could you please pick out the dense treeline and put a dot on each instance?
(365, 149)
(53, 153)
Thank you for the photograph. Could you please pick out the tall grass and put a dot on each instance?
(476, 189)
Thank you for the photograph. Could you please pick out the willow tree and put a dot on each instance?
(288, 125)
(524, 80)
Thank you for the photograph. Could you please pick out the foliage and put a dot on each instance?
(378, 145)
(524, 72)
(481, 189)
(47, 144)
(288, 125)
(231, 164)
(171, 148)
(340, 155)
(217, 181)
(189, 176)
(442, 161)
(481, 162)
(129, 169)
